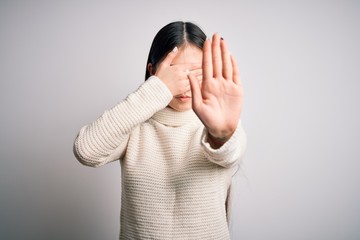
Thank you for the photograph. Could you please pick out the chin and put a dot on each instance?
(181, 108)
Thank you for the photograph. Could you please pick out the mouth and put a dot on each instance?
(183, 98)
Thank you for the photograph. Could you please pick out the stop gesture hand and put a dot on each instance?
(218, 99)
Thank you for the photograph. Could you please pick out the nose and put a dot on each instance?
(188, 93)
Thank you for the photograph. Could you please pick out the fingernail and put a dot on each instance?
(175, 49)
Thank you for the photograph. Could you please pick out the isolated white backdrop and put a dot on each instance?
(62, 63)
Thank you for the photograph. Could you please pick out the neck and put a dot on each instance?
(173, 118)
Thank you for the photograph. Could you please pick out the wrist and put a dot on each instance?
(216, 140)
(223, 135)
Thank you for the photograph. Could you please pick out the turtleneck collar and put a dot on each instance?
(173, 118)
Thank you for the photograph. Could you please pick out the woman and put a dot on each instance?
(178, 138)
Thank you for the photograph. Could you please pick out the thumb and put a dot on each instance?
(169, 58)
(195, 91)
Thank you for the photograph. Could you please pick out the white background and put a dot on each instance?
(62, 63)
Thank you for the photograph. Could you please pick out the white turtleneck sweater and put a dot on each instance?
(174, 185)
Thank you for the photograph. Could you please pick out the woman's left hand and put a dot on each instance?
(218, 99)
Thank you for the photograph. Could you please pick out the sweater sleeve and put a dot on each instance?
(105, 139)
(229, 154)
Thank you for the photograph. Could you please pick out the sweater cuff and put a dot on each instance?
(152, 95)
(158, 88)
(230, 152)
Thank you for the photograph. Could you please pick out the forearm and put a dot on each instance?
(225, 152)
(105, 139)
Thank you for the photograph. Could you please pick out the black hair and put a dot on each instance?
(173, 35)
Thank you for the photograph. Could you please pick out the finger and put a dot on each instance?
(226, 61)
(170, 57)
(216, 56)
(197, 67)
(207, 60)
(196, 72)
(187, 68)
(183, 86)
(191, 66)
(199, 78)
(195, 92)
(236, 71)
(187, 88)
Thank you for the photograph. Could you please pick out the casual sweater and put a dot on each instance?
(174, 184)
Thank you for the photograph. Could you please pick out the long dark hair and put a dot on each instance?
(172, 35)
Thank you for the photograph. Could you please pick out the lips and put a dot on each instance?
(183, 98)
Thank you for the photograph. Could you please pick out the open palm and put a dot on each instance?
(218, 99)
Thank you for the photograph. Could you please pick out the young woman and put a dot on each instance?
(178, 138)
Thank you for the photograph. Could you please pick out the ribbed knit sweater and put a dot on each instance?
(174, 185)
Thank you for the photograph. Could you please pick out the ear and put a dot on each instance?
(151, 69)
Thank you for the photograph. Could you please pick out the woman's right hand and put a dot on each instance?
(175, 76)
